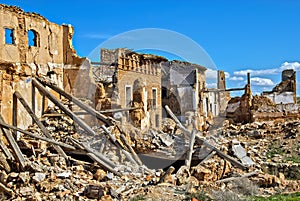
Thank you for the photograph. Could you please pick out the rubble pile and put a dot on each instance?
(263, 148)
(262, 103)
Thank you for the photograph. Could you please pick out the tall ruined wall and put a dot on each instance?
(140, 74)
(49, 38)
(184, 83)
(285, 91)
(30, 46)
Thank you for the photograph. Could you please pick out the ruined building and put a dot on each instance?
(217, 98)
(135, 82)
(32, 46)
(182, 89)
(285, 91)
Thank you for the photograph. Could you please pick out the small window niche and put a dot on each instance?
(154, 98)
(9, 36)
(32, 38)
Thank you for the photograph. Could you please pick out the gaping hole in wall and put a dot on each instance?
(154, 98)
(9, 36)
(32, 38)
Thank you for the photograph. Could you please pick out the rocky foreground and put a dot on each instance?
(102, 167)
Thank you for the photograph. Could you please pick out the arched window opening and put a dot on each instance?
(32, 38)
(9, 36)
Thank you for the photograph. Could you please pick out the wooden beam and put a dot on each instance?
(203, 141)
(236, 178)
(116, 142)
(223, 90)
(33, 100)
(103, 164)
(5, 150)
(83, 106)
(66, 110)
(168, 172)
(15, 115)
(40, 124)
(7, 126)
(135, 156)
(188, 160)
(119, 110)
(220, 153)
(208, 157)
(96, 153)
(15, 147)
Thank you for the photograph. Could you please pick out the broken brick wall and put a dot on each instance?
(223, 96)
(183, 84)
(31, 46)
(239, 108)
(285, 91)
(133, 68)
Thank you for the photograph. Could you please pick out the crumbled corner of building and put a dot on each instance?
(133, 126)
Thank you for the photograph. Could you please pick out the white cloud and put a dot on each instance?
(256, 72)
(213, 74)
(271, 71)
(257, 81)
(286, 65)
(211, 85)
(227, 75)
(236, 78)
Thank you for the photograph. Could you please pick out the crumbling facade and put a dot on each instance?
(218, 98)
(31, 46)
(136, 80)
(285, 91)
(183, 84)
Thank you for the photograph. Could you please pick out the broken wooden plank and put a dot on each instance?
(185, 131)
(33, 101)
(53, 115)
(190, 150)
(40, 124)
(5, 150)
(66, 110)
(167, 173)
(203, 141)
(92, 111)
(3, 163)
(103, 163)
(116, 142)
(250, 174)
(6, 190)
(96, 153)
(14, 145)
(15, 115)
(135, 156)
(220, 153)
(7, 126)
(208, 157)
(119, 110)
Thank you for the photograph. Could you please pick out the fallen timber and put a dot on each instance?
(201, 140)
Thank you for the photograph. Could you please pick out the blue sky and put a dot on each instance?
(237, 35)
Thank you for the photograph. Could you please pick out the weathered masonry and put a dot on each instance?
(285, 91)
(217, 98)
(136, 80)
(182, 90)
(31, 46)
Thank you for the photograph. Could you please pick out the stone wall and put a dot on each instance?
(31, 46)
(138, 76)
(183, 84)
(285, 91)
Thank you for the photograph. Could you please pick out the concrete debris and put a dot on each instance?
(240, 152)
